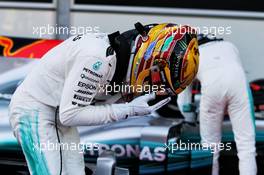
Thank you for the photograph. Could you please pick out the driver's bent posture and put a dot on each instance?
(69, 76)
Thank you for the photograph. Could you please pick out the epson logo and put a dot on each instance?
(92, 72)
(86, 86)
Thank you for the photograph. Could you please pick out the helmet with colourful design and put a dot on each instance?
(166, 55)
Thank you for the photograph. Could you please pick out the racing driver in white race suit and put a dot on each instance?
(224, 88)
(67, 80)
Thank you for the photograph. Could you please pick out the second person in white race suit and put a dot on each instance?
(224, 88)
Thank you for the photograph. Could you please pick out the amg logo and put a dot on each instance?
(92, 72)
(84, 92)
(81, 98)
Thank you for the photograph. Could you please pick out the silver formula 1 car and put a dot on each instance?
(140, 145)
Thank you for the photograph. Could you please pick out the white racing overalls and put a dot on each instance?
(67, 76)
(224, 88)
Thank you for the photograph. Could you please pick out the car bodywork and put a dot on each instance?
(140, 144)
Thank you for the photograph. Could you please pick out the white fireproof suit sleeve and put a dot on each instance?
(80, 87)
